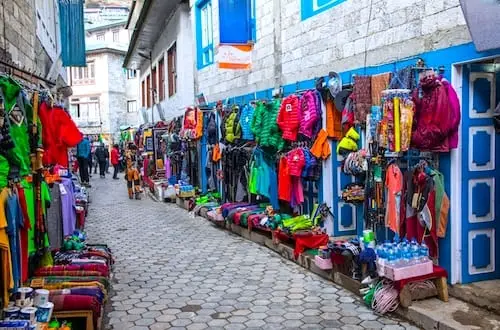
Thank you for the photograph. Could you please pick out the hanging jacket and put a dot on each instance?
(284, 180)
(289, 117)
(263, 179)
(308, 113)
(296, 161)
(333, 120)
(432, 117)
(211, 129)
(246, 122)
(455, 115)
(265, 127)
(59, 133)
(232, 126)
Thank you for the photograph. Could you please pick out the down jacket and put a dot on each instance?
(309, 113)
(436, 119)
(246, 122)
(289, 117)
(265, 126)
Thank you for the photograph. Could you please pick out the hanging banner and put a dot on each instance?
(234, 57)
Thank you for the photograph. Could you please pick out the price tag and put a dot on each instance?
(288, 108)
(62, 189)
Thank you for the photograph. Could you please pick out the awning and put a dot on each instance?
(147, 29)
(483, 20)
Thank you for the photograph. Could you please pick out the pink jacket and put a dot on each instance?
(309, 113)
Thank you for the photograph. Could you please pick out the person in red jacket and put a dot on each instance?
(115, 160)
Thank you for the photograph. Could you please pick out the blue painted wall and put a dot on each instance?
(443, 57)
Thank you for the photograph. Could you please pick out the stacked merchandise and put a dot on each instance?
(39, 201)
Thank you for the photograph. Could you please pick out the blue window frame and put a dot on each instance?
(310, 8)
(204, 33)
(237, 22)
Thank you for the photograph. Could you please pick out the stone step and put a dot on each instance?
(481, 294)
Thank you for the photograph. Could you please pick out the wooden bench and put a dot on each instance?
(438, 276)
(87, 315)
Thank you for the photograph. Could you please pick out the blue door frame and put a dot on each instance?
(480, 173)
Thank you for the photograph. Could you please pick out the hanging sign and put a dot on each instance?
(234, 57)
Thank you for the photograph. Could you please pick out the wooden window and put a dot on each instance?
(148, 91)
(172, 70)
(155, 84)
(161, 79)
(143, 93)
(131, 106)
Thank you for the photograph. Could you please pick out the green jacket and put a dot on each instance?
(265, 125)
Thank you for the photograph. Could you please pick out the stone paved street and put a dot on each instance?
(177, 272)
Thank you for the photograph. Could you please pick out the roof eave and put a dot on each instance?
(135, 35)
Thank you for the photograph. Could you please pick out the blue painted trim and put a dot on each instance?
(200, 4)
(467, 175)
(307, 7)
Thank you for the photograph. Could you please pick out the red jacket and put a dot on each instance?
(115, 157)
(289, 117)
(59, 133)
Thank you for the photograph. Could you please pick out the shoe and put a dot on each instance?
(102, 176)
(116, 178)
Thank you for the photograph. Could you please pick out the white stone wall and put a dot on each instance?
(290, 50)
(177, 29)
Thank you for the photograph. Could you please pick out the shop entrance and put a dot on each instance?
(480, 172)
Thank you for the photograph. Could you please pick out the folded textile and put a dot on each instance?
(309, 242)
(95, 292)
(73, 269)
(77, 303)
(60, 279)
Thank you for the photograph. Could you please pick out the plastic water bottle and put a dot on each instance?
(406, 257)
(424, 252)
(391, 258)
(415, 252)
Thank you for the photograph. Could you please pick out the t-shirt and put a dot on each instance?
(14, 223)
(6, 278)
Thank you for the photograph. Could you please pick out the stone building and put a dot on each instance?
(30, 41)
(104, 94)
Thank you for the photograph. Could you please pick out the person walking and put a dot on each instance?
(102, 156)
(82, 155)
(115, 161)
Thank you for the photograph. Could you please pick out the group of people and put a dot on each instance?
(93, 155)
(87, 154)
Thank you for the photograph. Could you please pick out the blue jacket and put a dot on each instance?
(83, 148)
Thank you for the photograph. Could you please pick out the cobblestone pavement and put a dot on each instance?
(174, 271)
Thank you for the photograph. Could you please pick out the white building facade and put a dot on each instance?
(105, 95)
(161, 49)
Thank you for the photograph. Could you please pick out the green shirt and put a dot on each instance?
(30, 204)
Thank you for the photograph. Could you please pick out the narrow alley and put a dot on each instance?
(173, 271)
